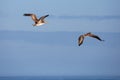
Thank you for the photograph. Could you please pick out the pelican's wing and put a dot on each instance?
(95, 36)
(42, 18)
(33, 16)
(80, 40)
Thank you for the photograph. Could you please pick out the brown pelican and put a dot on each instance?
(39, 21)
(81, 38)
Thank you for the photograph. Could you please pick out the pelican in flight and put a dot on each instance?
(81, 37)
(39, 21)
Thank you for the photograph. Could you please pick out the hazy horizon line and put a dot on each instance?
(55, 31)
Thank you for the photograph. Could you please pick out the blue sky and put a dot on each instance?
(52, 49)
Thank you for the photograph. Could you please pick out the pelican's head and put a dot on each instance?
(87, 34)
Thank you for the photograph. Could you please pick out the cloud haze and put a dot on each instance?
(86, 17)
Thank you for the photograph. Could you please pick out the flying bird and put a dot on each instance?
(39, 21)
(81, 37)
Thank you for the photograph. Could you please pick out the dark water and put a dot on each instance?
(62, 78)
